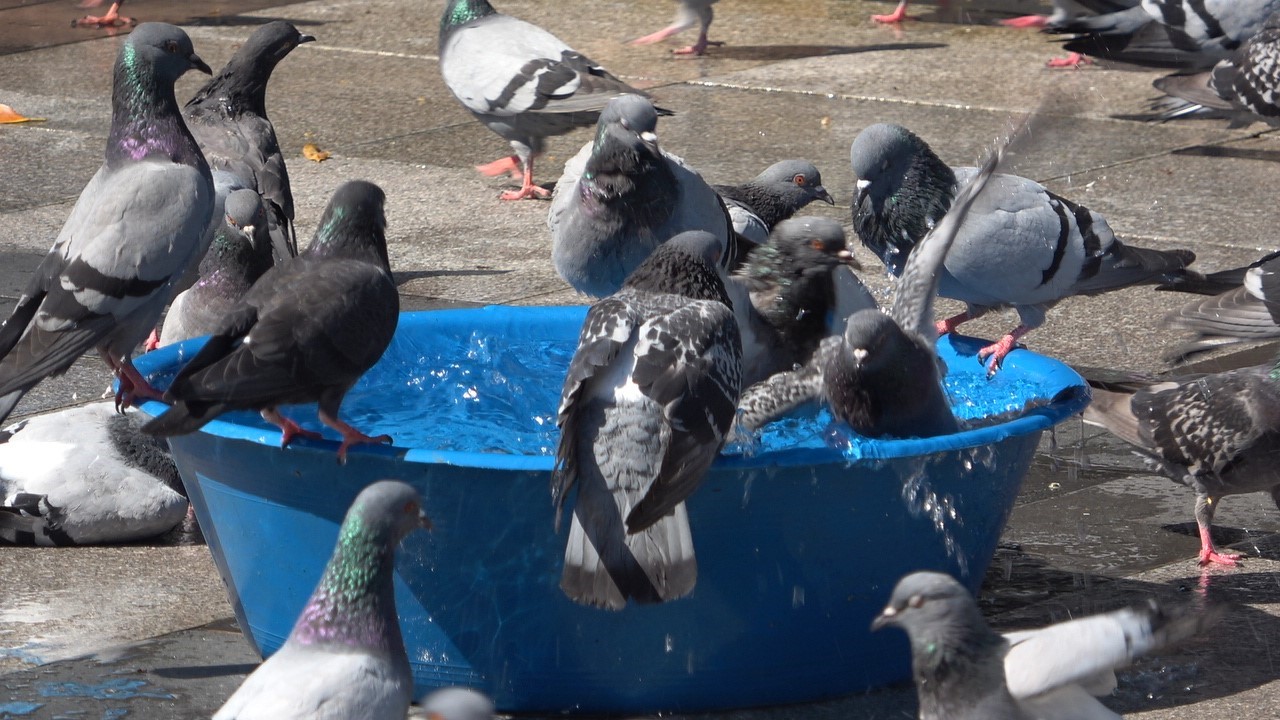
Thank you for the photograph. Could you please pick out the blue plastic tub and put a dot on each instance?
(797, 550)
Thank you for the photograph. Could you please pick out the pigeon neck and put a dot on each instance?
(641, 188)
(956, 653)
(341, 236)
(770, 207)
(145, 119)
(461, 12)
(904, 217)
(232, 252)
(241, 86)
(354, 604)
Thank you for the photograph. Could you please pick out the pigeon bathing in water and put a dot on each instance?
(647, 400)
(228, 117)
(784, 293)
(239, 254)
(621, 196)
(345, 657)
(1217, 434)
(688, 14)
(881, 375)
(964, 670)
(1242, 87)
(759, 204)
(305, 332)
(137, 226)
(1021, 245)
(86, 475)
(522, 82)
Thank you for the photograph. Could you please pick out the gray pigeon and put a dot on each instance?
(305, 332)
(86, 475)
(137, 226)
(1245, 308)
(688, 14)
(1217, 434)
(239, 254)
(1242, 87)
(1176, 34)
(457, 703)
(784, 294)
(622, 196)
(882, 375)
(345, 657)
(228, 117)
(774, 195)
(1021, 245)
(964, 670)
(522, 82)
(648, 398)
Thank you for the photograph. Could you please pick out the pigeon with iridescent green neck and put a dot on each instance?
(136, 228)
(345, 657)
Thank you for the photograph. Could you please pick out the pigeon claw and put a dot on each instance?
(1210, 556)
(993, 355)
(697, 49)
(1074, 60)
(525, 192)
(355, 437)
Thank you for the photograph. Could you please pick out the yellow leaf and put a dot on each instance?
(8, 115)
(311, 151)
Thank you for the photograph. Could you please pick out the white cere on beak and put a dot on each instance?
(860, 355)
(863, 185)
(649, 137)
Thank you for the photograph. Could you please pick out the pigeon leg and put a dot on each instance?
(661, 35)
(950, 324)
(1205, 505)
(152, 342)
(1074, 60)
(527, 188)
(509, 165)
(113, 18)
(1026, 21)
(897, 16)
(288, 428)
(1002, 347)
(350, 435)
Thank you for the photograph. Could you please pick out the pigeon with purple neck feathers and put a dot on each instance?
(622, 196)
(305, 332)
(759, 204)
(647, 401)
(521, 82)
(240, 253)
(1216, 433)
(345, 657)
(1021, 245)
(137, 226)
(964, 670)
(688, 14)
(228, 117)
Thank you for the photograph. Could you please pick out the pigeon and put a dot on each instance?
(305, 332)
(1242, 87)
(1216, 433)
(86, 475)
(240, 253)
(1021, 245)
(457, 703)
(622, 196)
(136, 227)
(228, 117)
(1247, 310)
(774, 195)
(521, 82)
(647, 400)
(881, 375)
(345, 657)
(1176, 34)
(784, 293)
(689, 13)
(964, 670)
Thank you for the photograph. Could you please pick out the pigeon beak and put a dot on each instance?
(199, 64)
(860, 193)
(822, 194)
(847, 258)
(306, 39)
(424, 522)
(248, 231)
(860, 355)
(887, 617)
(649, 137)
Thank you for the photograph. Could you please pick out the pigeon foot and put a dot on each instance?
(289, 430)
(152, 342)
(509, 165)
(351, 436)
(993, 355)
(897, 16)
(112, 19)
(1074, 60)
(1209, 553)
(697, 49)
(1026, 21)
(527, 191)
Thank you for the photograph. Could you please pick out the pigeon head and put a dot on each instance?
(627, 125)
(687, 264)
(245, 212)
(353, 225)
(456, 703)
(270, 43)
(903, 188)
(162, 50)
(241, 85)
(354, 603)
(796, 181)
(460, 12)
(812, 242)
(922, 602)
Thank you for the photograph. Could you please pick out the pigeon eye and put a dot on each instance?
(916, 601)
(799, 180)
(171, 47)
(816, 245)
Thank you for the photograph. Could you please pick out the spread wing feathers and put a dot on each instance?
(499, 78)
(783, 392)
(325, 686)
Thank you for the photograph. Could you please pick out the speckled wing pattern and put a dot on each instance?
(1251, 80)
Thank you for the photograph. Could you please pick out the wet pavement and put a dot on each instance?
(144, 631)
